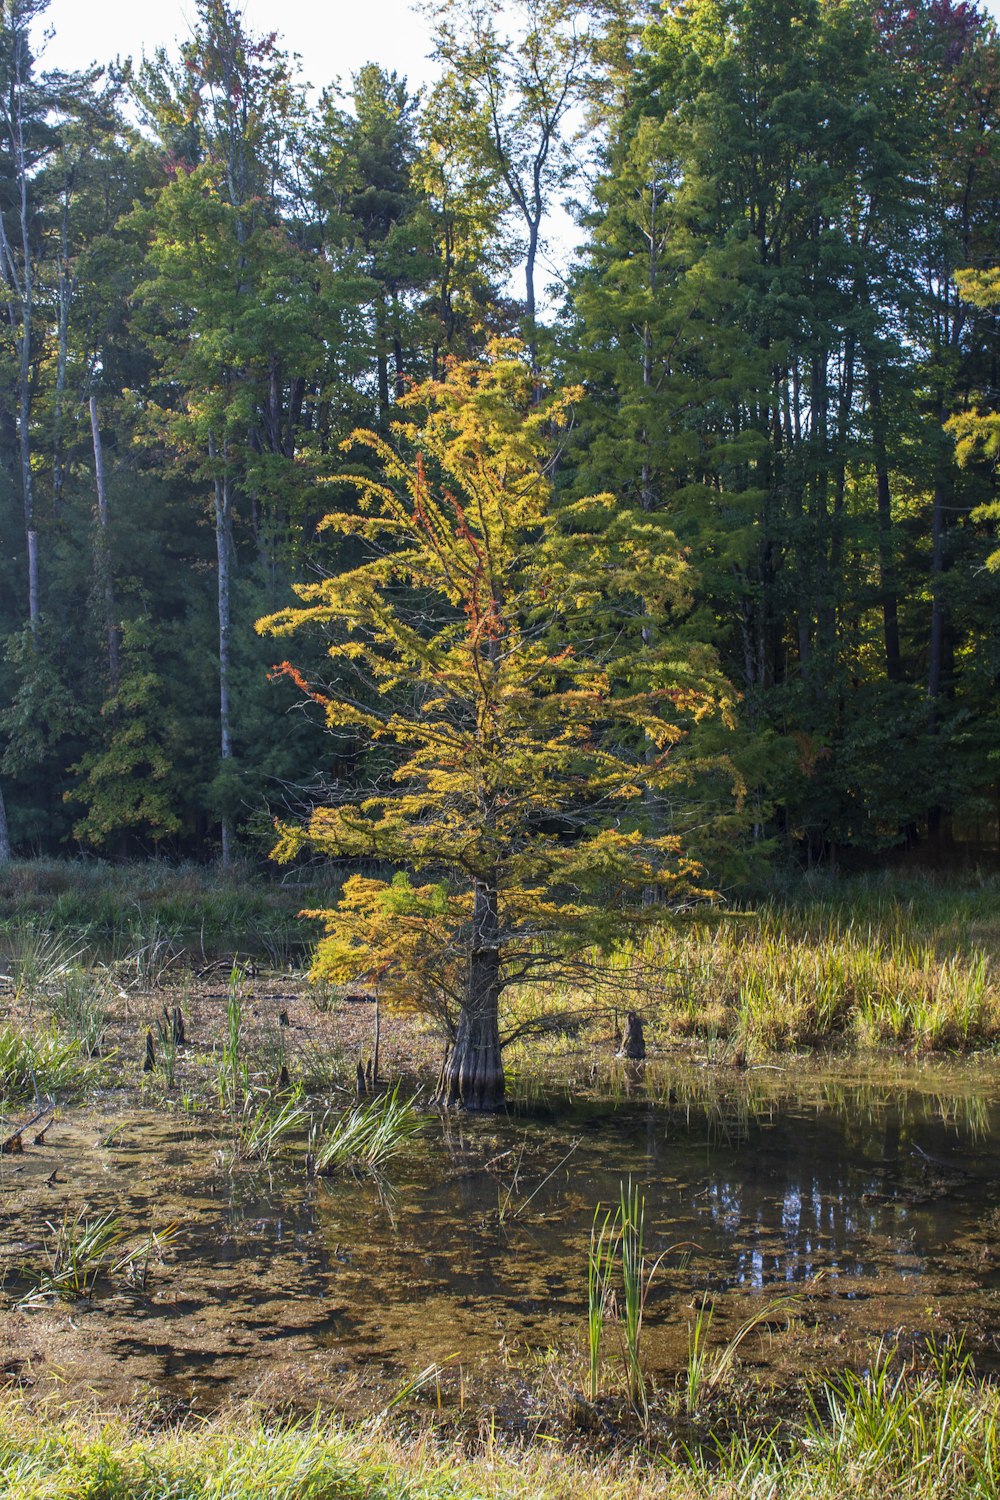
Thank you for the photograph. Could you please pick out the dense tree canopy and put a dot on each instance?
(781, 326)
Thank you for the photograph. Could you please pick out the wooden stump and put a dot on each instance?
(633, 1042)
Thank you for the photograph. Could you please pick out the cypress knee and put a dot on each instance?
(633, 1043)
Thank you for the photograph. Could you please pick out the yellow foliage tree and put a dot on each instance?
(977, 431)
(539, 749)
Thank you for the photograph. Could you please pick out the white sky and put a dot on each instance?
(332, 36)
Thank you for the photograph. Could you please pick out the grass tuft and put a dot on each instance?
(366, 1137)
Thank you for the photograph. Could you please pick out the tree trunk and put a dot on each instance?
(6, 854)
(531, 326)
(886, 560)
(104, 579)
(27, 490)
(223, 545)
(472, 1076)
(64, 292)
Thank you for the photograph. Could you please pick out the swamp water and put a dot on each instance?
(875, 1201)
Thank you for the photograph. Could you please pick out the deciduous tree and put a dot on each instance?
(532, 764)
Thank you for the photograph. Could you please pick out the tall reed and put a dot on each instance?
(604, 1236)
(637, 1282)
(617, 1239)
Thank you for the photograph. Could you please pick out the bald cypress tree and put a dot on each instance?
(531, 756)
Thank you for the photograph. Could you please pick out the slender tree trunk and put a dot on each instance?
(886, 559)
(472, 1077)
(6, 853)
(937, 599)
(381, 363)
(24, 374)
(27, 485)
(64, 292)
(105, 582)
(20, 281)
(223, 549)
(529, 289)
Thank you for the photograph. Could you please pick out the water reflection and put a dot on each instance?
(856, 1190)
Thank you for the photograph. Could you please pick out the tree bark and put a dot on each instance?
(20, 281)
(472, 1077)
(104, 579)
(6, 854)
(531, 325)
(886, 561)
(223, 546)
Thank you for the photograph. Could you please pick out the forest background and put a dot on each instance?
(783, 317)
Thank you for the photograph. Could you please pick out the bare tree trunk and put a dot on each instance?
(886, 561)
(531, 325)
(223, 548)
(20, 281)
(27, 479)
(6, 854)
(105, 583)
(472, 1076)
(64, 293)
(937, 594)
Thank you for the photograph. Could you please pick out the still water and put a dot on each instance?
(874, 1200)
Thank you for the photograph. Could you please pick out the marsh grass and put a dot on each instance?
(872, 964)
(323, 1070)
(619, 1281)
(79, 1004)
(885, 1425)
(82, 1250)
(637, 1282)
(146, 951)
(142, 914)
(41, 1061)
(366, 1138)
(167, 1048)
(77, 1253)
(600, 1292)
(913, 1435)
(39, 959)
(707, 1370)
(697, 1358)
(232, 1073)
(135, 1266)
(264, 1122)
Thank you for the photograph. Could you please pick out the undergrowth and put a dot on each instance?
(142, 914)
